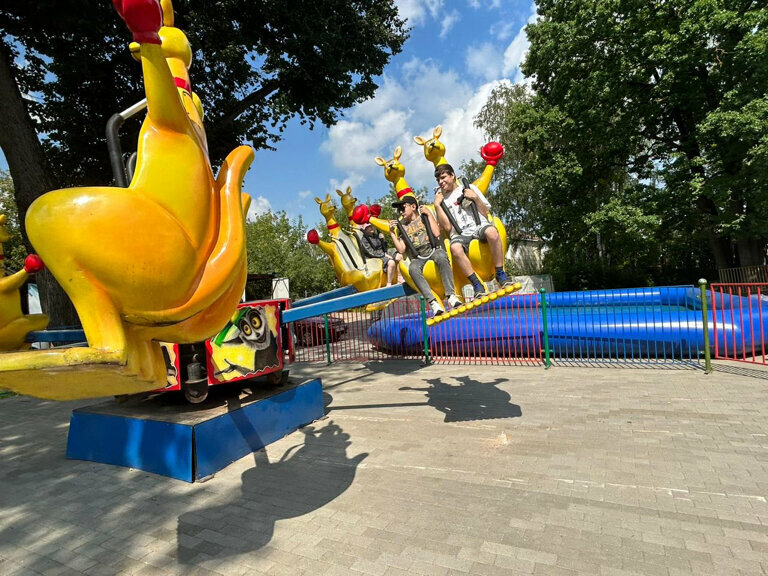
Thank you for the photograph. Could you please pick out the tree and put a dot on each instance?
(602, 226)
(674, 88)
(65, 69)
(14, 250)
(278, 245)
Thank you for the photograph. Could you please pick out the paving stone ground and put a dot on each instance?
(423, 470)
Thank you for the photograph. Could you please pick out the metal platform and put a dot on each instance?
(166, 435)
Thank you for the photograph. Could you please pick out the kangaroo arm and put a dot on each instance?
(13, 282)
(229, 252)
(164, 106)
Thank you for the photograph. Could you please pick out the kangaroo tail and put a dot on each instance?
(228, 254)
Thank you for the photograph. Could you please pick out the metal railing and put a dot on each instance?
(740, 321)
(743, 275)
(638, 326)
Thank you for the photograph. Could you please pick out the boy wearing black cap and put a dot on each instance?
(421, 250)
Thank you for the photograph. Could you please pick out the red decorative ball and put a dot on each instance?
(313, 237)
(494, 149)
(33, 263)
(361, 214)
(492, 152)
(375, 210)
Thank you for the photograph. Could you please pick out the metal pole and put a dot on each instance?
(705, 321)
(424, 329)
(547, 362)
(327, 338)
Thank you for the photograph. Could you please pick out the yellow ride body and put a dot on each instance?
(161, 260)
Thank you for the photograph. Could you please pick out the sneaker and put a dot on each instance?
(453, 301)
(506, 282)
(436, 308)
(480, 292)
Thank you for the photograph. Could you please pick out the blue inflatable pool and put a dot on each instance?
(644, 322)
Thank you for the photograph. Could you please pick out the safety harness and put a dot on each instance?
(472, 209)
(433, 241)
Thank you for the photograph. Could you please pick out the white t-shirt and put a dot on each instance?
(463, 216)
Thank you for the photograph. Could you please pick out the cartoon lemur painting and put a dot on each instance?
(248, 345)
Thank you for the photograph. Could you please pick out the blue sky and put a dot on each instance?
(457, 52)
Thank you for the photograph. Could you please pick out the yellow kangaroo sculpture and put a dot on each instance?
(163, 259)
(14, 326)
(348, 202)
(394, 172)
(479, 253)
(343, 251)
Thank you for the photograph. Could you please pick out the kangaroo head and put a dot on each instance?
(393, 170)
(327, 207)
(178, 54)
(347, 200)
(434, 150)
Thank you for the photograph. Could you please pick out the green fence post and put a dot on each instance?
(424, 329)
(327, 338)
(547, 362)
(705, 321)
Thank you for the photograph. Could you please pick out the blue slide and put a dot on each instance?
(649, 322)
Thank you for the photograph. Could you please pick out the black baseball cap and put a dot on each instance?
(405, 200)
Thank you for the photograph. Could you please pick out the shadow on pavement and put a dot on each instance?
(308, 475)
(470, 400)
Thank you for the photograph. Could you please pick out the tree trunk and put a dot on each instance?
(752, 252)
(31, 178)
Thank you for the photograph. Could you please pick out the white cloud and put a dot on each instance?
(425, 94)
(447, 23)
(415, 104)
(259, 205)
(304, 194)
(485, 61)
(515, 52)
(416, 11)
(502, 29)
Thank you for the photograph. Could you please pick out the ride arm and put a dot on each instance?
(144, 20)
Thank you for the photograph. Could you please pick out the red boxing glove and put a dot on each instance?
(143, 18)
(360, 215)
(492, 153)
(313, 237)
(375, 210)
(33, 263)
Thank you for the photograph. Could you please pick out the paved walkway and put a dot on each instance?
(439, 470)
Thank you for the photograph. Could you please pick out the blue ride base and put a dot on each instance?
(166, 436)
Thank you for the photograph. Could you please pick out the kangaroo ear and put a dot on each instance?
(349, 189)
(380, 161)
(328, 197)
(318, 200)
(398, 153)
(339, 192)
(419, 140)
(438, 132)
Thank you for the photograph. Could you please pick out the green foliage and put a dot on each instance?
(14, 249)
(641, 141)
(277, 244)
(257, 63)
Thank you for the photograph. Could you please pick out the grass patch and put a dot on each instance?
(7, 394)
